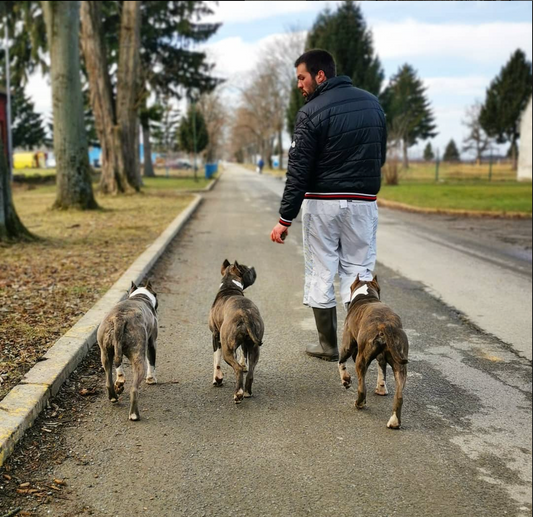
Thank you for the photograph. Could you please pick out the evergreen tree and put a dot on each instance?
(408, 109)
(192, 132)
(429, 155)
(345, 35)
(451, 153)
(28, 126)
(165, 131)
(506, 100)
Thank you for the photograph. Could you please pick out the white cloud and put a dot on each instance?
(40, 92)
(469, 86)
(486, 43)
(237, 12)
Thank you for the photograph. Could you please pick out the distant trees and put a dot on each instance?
(429, 155)
(215, 115)
(476, 139)
(192, 132)
(409, 113)
(506, 99)
(28, 127)
(451, 153)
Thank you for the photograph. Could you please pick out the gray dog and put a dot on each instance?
(130, 329)
(236, 324)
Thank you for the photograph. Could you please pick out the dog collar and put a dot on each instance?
(362, 290)
(238, 284)
(145, 292)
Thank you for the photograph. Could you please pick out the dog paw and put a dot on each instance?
(119, 387)
(247, 395)
(347, 383)
(218, 383)
(151, 380)
(238, 397)
(135, 417)
(382, 391)
(394, 423)
(360, 405)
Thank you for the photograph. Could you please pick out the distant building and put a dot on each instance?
(525, 156)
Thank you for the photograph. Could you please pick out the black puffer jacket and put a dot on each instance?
(338, 149)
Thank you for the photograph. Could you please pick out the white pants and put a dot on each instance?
(339, 237)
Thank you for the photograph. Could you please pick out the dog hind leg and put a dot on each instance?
(361, 367)
(138, 364)
(229, 357)
(151, 353)
(381, 387)
(253, 358)
(107, 356)
(218, 376)
(400, 374)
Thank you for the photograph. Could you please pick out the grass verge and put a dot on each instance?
(47, 285)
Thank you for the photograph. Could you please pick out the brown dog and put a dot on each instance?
(236, 324)
(130, 329)
(372, 330)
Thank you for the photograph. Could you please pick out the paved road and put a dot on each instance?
(299, 447)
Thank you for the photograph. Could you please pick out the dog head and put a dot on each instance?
(147, 284)
(373, 286)
(243, 274)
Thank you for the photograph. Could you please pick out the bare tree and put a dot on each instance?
(216, 118)
(476, 140)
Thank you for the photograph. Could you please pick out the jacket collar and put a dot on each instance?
(341, 81)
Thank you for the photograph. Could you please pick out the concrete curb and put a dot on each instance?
(394, 205)
(22, 405)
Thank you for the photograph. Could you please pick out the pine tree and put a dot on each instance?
(345, 35)
(28, 126)
(506, 99)
(429, 155)
(408, 109)
(451, 153)
(192, 132)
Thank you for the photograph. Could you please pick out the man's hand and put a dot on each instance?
(279, 233)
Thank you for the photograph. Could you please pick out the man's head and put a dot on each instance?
(313, 68)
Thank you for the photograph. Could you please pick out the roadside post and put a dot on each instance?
(437, 163)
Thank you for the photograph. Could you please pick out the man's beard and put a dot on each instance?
(314, 86)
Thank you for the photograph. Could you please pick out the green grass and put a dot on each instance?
(31, 173)
(176, 183)
(480, 196)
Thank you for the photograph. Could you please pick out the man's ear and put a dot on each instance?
(249, 277)
(225, 266)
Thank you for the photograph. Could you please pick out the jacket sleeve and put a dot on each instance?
(302, 161)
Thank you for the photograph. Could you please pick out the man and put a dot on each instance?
(334, 170)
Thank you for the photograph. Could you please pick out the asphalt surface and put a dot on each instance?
(299, 447)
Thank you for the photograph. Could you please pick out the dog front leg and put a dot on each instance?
(151, 357)
(239, 374)
(361, 367)
(347, 350)
(381, 388)
(218, 376)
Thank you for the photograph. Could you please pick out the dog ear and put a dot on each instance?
(132, 288)
(225, 266)
(249, 277)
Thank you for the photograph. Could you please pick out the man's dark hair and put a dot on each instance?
(316, 60)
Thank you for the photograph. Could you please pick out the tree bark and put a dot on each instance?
(405, 155)
(147, 152)
(280, 145)
(73, 172)
(11, 228)
(114, 179)
(128, 88)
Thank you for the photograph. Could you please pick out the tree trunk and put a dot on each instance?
(128, 88)
(405, 155)
(514, 153)
(73, 172)
(11, 228)
(147, 152)
(114, 179)
(280, 145)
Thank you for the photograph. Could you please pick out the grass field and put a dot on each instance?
(46, 285)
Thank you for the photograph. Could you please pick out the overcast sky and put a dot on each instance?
(457, 47)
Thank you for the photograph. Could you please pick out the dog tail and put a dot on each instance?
(118, 337)
(396, 342)
(252, 330)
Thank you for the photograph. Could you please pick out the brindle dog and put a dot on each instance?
(372, 330)
(236, 324)
(130, 329)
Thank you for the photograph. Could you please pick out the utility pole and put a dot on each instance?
(437, 163)
(8, 114)
(194, 139)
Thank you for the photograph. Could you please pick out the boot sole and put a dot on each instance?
(328, 358)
